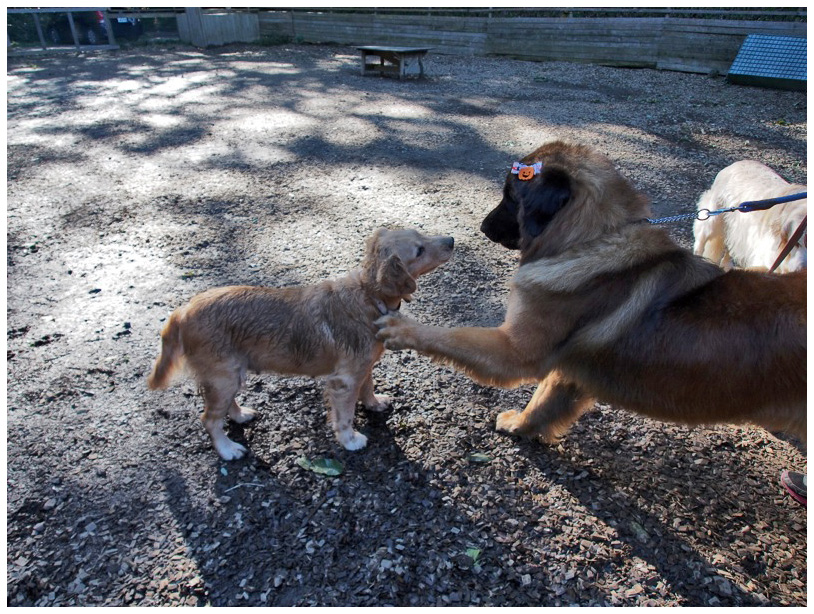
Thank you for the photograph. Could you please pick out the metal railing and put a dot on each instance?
(75, 33)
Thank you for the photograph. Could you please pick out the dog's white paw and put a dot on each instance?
(353, 441)
(382, 403)
(229, 450)
(243, 415)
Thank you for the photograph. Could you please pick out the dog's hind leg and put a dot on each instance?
(219, 390)
(342, 391)
(709, 241)
(241, 414)
(555, 406)
(369, 399)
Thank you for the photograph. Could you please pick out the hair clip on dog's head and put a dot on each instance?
(525, 172)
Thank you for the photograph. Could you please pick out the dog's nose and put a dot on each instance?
(449, 242)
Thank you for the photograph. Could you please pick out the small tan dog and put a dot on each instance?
(320, 330)
(750, 240)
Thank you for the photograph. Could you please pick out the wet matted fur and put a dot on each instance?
(607, 307)
(750, 240)
(325, 329)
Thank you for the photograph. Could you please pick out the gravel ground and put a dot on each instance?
(140, 177)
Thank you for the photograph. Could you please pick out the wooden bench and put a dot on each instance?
(401, 61)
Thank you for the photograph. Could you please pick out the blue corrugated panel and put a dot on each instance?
(770, 61)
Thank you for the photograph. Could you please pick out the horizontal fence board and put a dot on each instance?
(578, 13)
(523, 36)
(715, 26)
(572, 23)
(672, 43)
(401, 31)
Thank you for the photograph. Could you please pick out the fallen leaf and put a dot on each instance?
(322, 466)
(479, 457)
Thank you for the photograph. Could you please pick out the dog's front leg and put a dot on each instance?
(342, 391)
(488, 355)
(555, 406)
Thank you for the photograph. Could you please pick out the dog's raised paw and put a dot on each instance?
(395, 332)
(509, 422)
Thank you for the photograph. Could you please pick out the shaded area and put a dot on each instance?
(139, 178)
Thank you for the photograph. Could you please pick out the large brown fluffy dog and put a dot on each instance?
(322, 330)
(605, 306)
(750, 240)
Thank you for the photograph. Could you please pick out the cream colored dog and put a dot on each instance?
(322, 330)
(750, 240)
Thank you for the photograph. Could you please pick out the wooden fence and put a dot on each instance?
(643, 40)
(217, 27)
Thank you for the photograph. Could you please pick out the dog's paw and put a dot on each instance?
(516, 422)
(397, 332)
(383, 403)
(229, 450)
(243, 414)
(510, 422)
(353, 440)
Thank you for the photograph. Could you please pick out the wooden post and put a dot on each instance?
(197, 33)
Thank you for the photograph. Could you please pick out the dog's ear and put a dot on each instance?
(372, 245)
(393, 278)
(542, 198)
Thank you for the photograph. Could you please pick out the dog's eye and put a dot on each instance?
(420, 251)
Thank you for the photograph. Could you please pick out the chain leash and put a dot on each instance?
(747, 207)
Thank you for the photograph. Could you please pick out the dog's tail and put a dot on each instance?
(172, 351)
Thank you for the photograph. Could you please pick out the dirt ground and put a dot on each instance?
(140, 177)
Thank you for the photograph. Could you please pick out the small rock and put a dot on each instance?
(636, 589)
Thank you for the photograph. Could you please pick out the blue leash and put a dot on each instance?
(747, 207)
